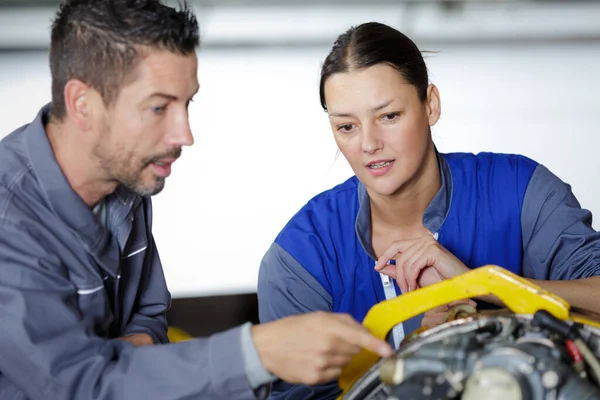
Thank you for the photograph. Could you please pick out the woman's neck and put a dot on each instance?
(404, 209)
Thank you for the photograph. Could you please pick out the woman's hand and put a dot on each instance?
(438, 315)
(422, 262)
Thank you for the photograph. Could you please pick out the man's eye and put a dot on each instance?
(159, 109)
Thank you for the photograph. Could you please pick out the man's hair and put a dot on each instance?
(101, 42)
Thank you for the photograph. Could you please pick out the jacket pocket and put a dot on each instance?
(95, 309)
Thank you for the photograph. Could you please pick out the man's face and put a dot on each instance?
(142, 133)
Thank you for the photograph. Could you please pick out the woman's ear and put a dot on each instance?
(433, 104)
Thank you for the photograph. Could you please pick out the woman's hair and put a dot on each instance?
(373, 43)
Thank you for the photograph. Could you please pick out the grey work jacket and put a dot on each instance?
(69, 286)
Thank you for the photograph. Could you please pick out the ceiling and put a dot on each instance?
(24, 24)
(229, 3)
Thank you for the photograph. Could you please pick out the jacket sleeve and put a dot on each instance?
(47, 352)
(558, 239)
(153, 299)
(286, 288)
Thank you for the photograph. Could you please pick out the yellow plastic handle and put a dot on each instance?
(518, 294)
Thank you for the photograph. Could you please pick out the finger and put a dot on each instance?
(465, 301)
(415, 253)
(457, 302)
(399, 246)
(369, 342)
(357, 335)
(348, 328)
(400, 273)
(340, 360)
(427, 258)
(330, 374)
(401, 265)
(339, 346)
(389, 270)
(415, 269)
(440, 309)
(407, 259)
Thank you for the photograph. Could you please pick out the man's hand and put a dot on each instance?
(438, 315)
(422, 262)
(138, 339)
(313, 348)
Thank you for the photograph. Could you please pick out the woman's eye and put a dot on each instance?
(391, 116)
(344, 128)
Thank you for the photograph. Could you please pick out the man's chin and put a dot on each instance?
(149, 190)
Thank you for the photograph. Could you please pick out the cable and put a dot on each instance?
(589, 357)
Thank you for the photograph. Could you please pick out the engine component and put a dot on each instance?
(492, 356)
(485, 357)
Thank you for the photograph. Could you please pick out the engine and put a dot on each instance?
(489, 355)
(494, 356)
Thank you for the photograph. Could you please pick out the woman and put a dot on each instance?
(437, 215)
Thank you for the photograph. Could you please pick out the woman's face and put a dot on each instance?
(381, 126)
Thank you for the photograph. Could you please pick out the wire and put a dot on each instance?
(589, 357)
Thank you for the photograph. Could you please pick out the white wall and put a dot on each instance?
(263, 146)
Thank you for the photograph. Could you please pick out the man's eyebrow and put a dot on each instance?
(163, 95)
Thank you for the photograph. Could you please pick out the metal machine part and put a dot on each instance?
(497, 356)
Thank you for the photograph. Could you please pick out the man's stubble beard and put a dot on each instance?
(120, 167)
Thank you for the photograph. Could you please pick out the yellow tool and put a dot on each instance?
(177, 335)
(518, 294)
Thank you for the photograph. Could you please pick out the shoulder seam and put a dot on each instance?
(11, 193)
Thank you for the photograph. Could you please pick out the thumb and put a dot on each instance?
(389, 270)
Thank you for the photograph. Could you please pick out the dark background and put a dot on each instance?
(203, 316)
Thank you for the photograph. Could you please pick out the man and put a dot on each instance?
(82, 291)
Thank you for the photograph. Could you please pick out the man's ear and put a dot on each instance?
(433, 104)
(77, 99)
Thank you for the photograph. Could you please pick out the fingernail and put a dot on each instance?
(386, 351)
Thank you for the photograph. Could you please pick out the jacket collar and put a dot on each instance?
(67, 204)
(433, 218)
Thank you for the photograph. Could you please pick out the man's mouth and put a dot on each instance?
(162, 167)
(166, 158)
(163, 170)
